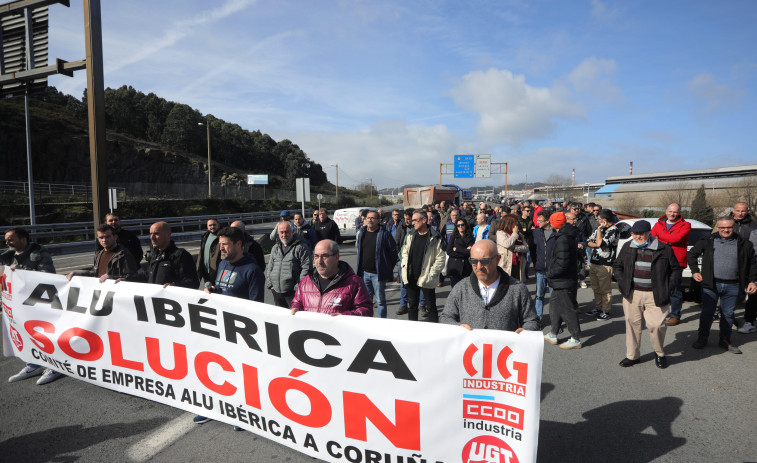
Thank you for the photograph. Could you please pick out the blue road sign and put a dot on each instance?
(465, 165)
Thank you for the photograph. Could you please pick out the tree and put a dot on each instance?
(700, 210)
(679, 193)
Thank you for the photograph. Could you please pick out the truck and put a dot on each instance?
(416, 197)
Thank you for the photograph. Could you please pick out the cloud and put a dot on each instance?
(391, 152)
(593, 77)
(711, 97)
(511, 111)
(601, 11)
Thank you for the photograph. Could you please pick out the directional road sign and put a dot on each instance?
(465, 165)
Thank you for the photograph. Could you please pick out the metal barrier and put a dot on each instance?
(141, 226)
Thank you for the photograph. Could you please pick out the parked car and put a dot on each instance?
(698, 231)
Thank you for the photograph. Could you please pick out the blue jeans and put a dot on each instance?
(403, 290)
(376, 288)
(728, 293)
(541, 290)
(676, 298)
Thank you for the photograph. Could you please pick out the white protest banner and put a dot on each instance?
(336, 388)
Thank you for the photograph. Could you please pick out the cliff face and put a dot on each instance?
(60, 153)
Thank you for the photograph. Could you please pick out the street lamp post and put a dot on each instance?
(337, 182)
(207, 126)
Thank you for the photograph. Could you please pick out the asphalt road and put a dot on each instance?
(701, 408)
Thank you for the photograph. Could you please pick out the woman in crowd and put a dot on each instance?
(511, 245)
(458, 250)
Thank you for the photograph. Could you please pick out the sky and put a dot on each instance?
(389, 90)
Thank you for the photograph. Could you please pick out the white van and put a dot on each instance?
(345, 220)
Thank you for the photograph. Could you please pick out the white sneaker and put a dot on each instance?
(571, 343)
(551, 338)
(49, 376)
(747, 328)
(583, 284)
(27, 372)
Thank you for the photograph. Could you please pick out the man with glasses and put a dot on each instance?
(727, 269)
(422, 261)
(490, 298)
(376, 257)
(332, 286)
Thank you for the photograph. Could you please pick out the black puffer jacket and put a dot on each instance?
(562, 269)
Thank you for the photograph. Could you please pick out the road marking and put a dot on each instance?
(161, 438)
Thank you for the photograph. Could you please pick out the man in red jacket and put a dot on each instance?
(674, 231)
(332, 286)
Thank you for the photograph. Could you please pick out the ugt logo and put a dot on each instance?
(488, 449)
(16, 338)
(6, 287)
(486, 362)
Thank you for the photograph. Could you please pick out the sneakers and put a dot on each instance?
(727, 345)
(551, 338)
(583, 284)
(673, 321)
(747, 328)
(593, 311)
(49, 376)
(627, 362)
(28, 372)
(571, 343)
(402, 310)
(700, 343)
(603, 316)
(199, 419)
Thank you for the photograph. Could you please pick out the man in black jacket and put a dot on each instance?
(325, 228)
(124, 237)
(646, 270)
(112, 261)
(562, 275)
(250, 245)
(210, 255)
(728, 268)
(168, 264)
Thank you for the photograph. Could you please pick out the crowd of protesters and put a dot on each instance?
(487, 253)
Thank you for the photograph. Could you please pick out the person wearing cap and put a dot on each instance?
(562, 277)
(604, 245)
(284, 216)
(646, 270)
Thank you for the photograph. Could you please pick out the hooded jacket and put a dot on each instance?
(664, 270)
(677, 237)
(346, 294)
(433, 259)
(562, 269)
(35, 257)
(288, 265)
(386, 254)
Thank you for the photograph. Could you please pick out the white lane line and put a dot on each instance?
(161, 438)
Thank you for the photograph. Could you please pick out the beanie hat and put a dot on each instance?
(557, 220)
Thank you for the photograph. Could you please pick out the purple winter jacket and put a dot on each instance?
(346, 294)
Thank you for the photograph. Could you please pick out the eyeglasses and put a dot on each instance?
(595, 210)
(322, 256)
(484, 261)
(725, 228)
(461, 225)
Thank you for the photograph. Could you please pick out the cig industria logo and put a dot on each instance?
(486, 371)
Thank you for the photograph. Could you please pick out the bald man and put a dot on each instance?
(168, 264)
(490, 298)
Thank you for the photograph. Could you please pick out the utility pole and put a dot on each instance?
(337, 182)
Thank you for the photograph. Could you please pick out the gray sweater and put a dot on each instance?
(510, 308)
